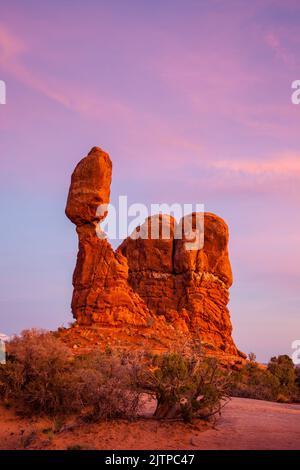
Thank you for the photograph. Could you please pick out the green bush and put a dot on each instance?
(282, 367)
(185, 386)
(253, 382)
(276, 382)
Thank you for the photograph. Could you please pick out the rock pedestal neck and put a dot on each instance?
(150, 293)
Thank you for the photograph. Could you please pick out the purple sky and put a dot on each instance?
(192, 99)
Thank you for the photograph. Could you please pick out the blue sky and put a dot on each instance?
(193, 102)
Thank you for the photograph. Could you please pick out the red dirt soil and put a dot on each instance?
(244, 424)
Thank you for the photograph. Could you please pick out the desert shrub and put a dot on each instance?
(297, 381)
(41, 376)
(37, 373)
(251, 381)
(282, 367)
(108, 385)
(252, 357)
(276, 382)
(185, 386)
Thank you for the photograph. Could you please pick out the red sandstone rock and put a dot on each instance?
(155, 290)
(90, 187)
(213, 258)
(151, 254)
(101, 291)
(188, 287)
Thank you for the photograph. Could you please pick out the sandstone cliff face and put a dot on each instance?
(153, 289)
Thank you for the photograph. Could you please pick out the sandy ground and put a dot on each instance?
(244, 424)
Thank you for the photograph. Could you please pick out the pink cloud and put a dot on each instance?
(273, 41)
(70, 95)
(12, 49)
(10, 46)
(275, 176)
(282, 165)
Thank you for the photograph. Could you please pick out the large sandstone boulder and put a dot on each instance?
(90, 187)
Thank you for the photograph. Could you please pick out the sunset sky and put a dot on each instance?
(192, 100)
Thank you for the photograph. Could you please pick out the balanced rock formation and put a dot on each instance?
(152, 289)
(101, 291)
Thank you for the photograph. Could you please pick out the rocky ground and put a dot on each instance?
(244, 424)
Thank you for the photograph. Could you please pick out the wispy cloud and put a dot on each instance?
(70, 95)
(282, 165)
(12, 48)
(273, 40)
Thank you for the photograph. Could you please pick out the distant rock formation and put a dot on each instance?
(149, 290)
